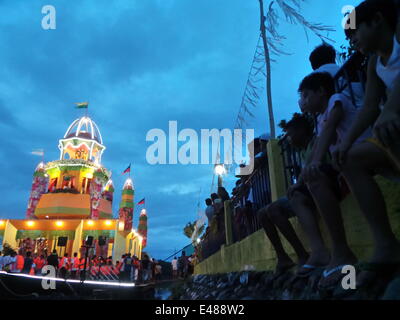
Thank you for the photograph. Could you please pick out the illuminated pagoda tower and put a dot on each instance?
(76, 181)
(126, 206)
(142, 228)
(71, 198)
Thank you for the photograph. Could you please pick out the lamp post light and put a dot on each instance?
(219, 171)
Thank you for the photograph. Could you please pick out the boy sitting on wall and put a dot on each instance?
(274, 217)
(377, 33)
(335, 114)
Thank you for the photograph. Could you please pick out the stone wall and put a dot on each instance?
(265, 286)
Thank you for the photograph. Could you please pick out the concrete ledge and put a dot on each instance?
(256, 252)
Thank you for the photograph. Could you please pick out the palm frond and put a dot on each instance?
(294, 17)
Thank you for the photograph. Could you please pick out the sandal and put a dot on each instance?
(330, 278)
(308, 269)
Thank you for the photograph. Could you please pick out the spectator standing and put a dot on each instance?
(52, 259)
(8, 260)
(184, 265)
(28, 263)
(153, 269)
(209, 210)
(39, 263)
(127, 267)
(135, 271)
(18, 265)
(146, 265)
(174, 264)
(158, 271)
(190, 265)
(64, 266)
(74, 266)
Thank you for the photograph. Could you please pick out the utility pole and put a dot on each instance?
(268, 65)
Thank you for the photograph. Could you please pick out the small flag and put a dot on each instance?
(82, 105)
(39, 152)
(127, 169)
(141, 202)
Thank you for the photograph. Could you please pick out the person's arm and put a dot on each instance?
(387, 127)
(328, 134)
(366, 117)
(308, 158)
(326, 139)
(392, 105)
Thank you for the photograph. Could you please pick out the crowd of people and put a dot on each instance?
(128, 269)
(343, 147)
(214, 235)
(347, 131)
(184, 266)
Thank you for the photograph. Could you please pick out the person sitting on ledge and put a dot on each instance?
(299, 132)
(377, 33)
(335, 114)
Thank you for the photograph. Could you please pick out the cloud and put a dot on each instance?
(139, 64)
(179, 189)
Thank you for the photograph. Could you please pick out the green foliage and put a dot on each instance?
(189, 229)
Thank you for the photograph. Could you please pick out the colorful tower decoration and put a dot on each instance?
(39, 186)
(82, 141)
(126, 206)
(108, 192)
(71, 199)
(76, 181)
(142, 228)
(96, 189)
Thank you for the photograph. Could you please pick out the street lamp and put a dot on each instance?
(219, 171)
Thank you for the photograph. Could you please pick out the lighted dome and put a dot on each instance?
(82, 141)
(84, 128)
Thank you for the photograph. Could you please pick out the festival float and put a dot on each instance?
(71, 199)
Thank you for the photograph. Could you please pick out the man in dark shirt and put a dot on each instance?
(52, 259)
(28, 262)
(127, 266)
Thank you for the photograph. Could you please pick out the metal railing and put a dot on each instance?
(253, 194)
(292, 162)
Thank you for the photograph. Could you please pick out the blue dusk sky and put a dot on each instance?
(140, 64)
